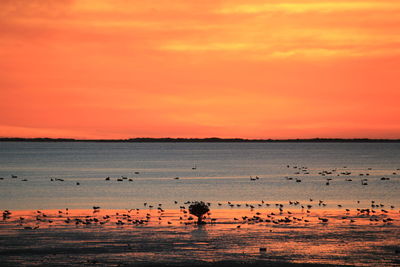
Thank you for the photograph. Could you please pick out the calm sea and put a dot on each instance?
(212, 172)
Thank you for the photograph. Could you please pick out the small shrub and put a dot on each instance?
(198, 209)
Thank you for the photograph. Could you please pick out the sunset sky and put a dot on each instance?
(200, 68)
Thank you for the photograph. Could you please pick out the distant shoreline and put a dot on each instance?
(202, 140)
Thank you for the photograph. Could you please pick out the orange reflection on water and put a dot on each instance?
(152, 235)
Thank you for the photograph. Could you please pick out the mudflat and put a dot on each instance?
(231, 237)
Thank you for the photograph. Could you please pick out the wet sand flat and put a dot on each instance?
(265, 236)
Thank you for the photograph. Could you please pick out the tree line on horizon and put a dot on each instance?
(209, 139)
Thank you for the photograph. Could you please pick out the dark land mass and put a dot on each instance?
(201, 140)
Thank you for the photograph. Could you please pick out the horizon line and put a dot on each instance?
(195, 139)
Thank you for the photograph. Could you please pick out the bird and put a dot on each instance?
(323, 220)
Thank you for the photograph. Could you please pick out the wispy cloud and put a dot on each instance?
(310, 6)
(116, 68)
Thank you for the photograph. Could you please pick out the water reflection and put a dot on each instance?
(199, 233)
(81, 235)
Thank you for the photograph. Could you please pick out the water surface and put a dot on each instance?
(222, 173)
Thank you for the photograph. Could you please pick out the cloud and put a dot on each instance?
(306, 7)
(128, 68)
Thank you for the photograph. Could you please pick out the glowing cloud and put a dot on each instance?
(241, 68)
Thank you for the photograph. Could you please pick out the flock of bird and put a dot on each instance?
(376, 212)
(330, 174)
(293, 212)
(300, 171)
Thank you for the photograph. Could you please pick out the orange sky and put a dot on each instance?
(168, 68)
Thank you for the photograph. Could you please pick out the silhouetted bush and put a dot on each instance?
(198, 209)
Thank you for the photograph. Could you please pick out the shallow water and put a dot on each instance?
(222, 173)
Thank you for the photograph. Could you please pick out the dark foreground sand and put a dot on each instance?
(169, 238)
